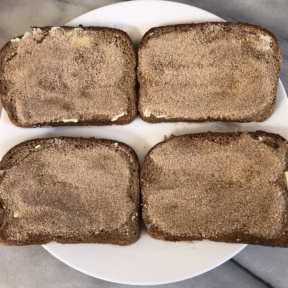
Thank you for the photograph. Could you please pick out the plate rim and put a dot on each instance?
(149, 283)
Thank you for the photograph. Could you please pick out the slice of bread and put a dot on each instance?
(58, 76)
(208, 72)
(221, 187)
(69, 190)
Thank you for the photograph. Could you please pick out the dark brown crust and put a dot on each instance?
(229, 238)
(166, 29)
(97, 121)
(113, 237)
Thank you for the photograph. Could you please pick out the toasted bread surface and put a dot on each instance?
(58, 76)
(208, 72)
(227, 187)
(69, 190)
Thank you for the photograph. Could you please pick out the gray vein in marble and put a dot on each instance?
(252, 274)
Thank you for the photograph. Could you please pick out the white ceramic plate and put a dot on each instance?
(148, 261)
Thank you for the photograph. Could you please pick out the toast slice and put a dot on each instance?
(69, 190)
(208, 72)
(58, 76)
(221, 187)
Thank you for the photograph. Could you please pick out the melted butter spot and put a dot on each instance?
(261, 41)
(117, 116)
(19, 75)
(286, 177)
(75, 120)
(80, 41)
(147, 112)
(16, 214)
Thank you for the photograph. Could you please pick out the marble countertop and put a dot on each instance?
(255, 266)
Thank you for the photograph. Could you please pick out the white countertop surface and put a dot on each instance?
(255, 266)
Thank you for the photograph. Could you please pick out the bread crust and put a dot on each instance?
(159, 31)
(98, 120)
(235, 236)
(26, 148)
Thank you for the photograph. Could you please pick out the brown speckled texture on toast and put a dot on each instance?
(208, 72)
(58, 73)
(226, 187)
(69, 190)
